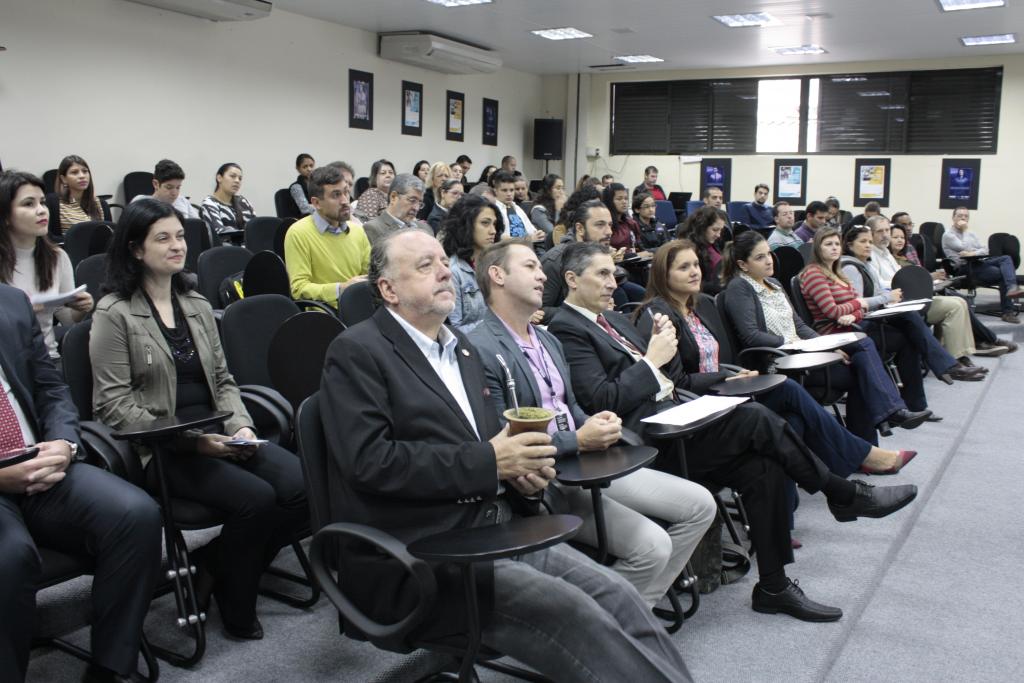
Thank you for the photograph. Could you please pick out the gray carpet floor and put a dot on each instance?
(929, 594)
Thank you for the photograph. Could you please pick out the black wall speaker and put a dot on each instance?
(548, 135)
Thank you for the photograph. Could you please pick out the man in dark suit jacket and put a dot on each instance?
(56, 502)
(750, 449)
(650, 557)
(415, 449)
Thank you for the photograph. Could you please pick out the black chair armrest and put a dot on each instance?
(748, 386)
(164, 427)
(269, 421)
(497, 541)
(729, 367)
(272, 396)
(804, 362)
(756, 357)
(600, 467)
(319, 305)
(685, 396)
(322, 547)
(107, 452)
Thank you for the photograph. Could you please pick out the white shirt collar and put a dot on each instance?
(585, 312)
(443, 345)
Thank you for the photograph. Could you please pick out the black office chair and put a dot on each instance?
(266, 274)
(284, 204)
(198, 238)
(50, 180)
(916, 283)
(799, 215)
(282, 231)
(92, 272)
(216, 264)
(87, 239)
(259, 233)
(362, 185)
(925, 252)
(356, 304)
(790, 263)
(806, 251)
(297, 352)
(400, 636)
(136, 183)
(1005, 244)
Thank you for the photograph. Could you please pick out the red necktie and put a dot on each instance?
(10, 429)
(606, 326)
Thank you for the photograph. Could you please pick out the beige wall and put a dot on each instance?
(915, 178)
(123, 85)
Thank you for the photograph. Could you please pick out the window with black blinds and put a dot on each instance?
(921, 112)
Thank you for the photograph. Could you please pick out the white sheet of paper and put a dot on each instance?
(688, 413)
(825, 342)
(911, 302)
(886, 312)
(55, 300)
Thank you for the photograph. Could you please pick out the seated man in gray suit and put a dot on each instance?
(650, 557)
(405, 197)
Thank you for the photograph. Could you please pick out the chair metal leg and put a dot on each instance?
(305, 579)
(687, 583)
(674, 616)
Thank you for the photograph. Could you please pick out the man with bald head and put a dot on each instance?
(415, 449)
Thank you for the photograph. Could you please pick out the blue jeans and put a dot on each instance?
(841, 451)
(572, 620)
(996, 270)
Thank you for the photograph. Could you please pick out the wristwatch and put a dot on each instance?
(74, 449)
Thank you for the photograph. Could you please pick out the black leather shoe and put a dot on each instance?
(908, 419)
(253, 631)
(793, 602)
(934, 418)
(872, 501)
(1011, 345)
(962, 374)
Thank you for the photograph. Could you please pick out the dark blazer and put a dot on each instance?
(604, 375)
(55, 231)
(437, 215)
(403, 458)
(35, 381)
(689, 354)
(491, 337)
(747, 316)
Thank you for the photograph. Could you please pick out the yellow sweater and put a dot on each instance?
(318, 262)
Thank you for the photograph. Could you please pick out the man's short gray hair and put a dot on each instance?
(875, 221)
(380, 261)
(578, 255)
(404, 182)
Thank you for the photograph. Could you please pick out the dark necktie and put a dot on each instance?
(10, 430)
(606, 326)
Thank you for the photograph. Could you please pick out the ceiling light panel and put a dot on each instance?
(874, 93)
(759, 19)
(957, 5)
(799, 50)
(639, 59)
(1001, 39)
(567, 33)
(459, 3)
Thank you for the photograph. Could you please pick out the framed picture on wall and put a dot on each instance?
(716, 173)
(490, 122)
(871, 181)
(960, 183)
(412, 108)
(455, 116)
(360, 99)
(791, 181)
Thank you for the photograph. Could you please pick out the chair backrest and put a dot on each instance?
(693, 205)
(198, 239)
(721, 306)
(216, 264)
(806, 251)
(259, 233)
(87, 238)
(266, 274)
(356, 304)
(297, 352)
(664, 212)
(362, 185)
(790, 263)
(915, 281)
(309, 431)
(727, 348)
(738, 212)
(246, 329)
(50, 179)
(925, 251)
(865, 274)
(285, 205)
(282, 231)
(799, 302)
(136, 183)
(1005, 244)
(799, 215)
(92, 272)
(74, 358)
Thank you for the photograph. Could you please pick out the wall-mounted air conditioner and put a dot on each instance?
(438, 54)
(214, 10)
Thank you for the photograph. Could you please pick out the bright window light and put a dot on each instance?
(778, 115)
(956, 5)
(459, 3)
(639, 59)
(745, 20)
(813, 100)
(874, 93)
(567, 33)
(1001, 39)
(799, 50)
(849, 79)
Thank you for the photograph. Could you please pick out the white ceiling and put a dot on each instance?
(682, 32)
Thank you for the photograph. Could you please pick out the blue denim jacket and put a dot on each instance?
(469, 300)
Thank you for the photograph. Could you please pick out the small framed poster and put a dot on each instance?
(412, 108)
(960, 178)
(360, 99)
(455, 116)
(716, 173)
(871, 181)
(791, 181)
(490, 122)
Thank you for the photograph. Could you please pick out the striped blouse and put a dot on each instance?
(221, 217)
(828, 299)
(71, 213)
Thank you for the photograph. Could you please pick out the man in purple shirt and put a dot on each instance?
(817, 215)
(651, 558)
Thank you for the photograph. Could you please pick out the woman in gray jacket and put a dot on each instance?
(155, 353)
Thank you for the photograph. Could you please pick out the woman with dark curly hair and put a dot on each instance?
(471, 224)
(704, 227)
(156, 353)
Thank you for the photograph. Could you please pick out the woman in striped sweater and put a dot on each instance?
(836, 306)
